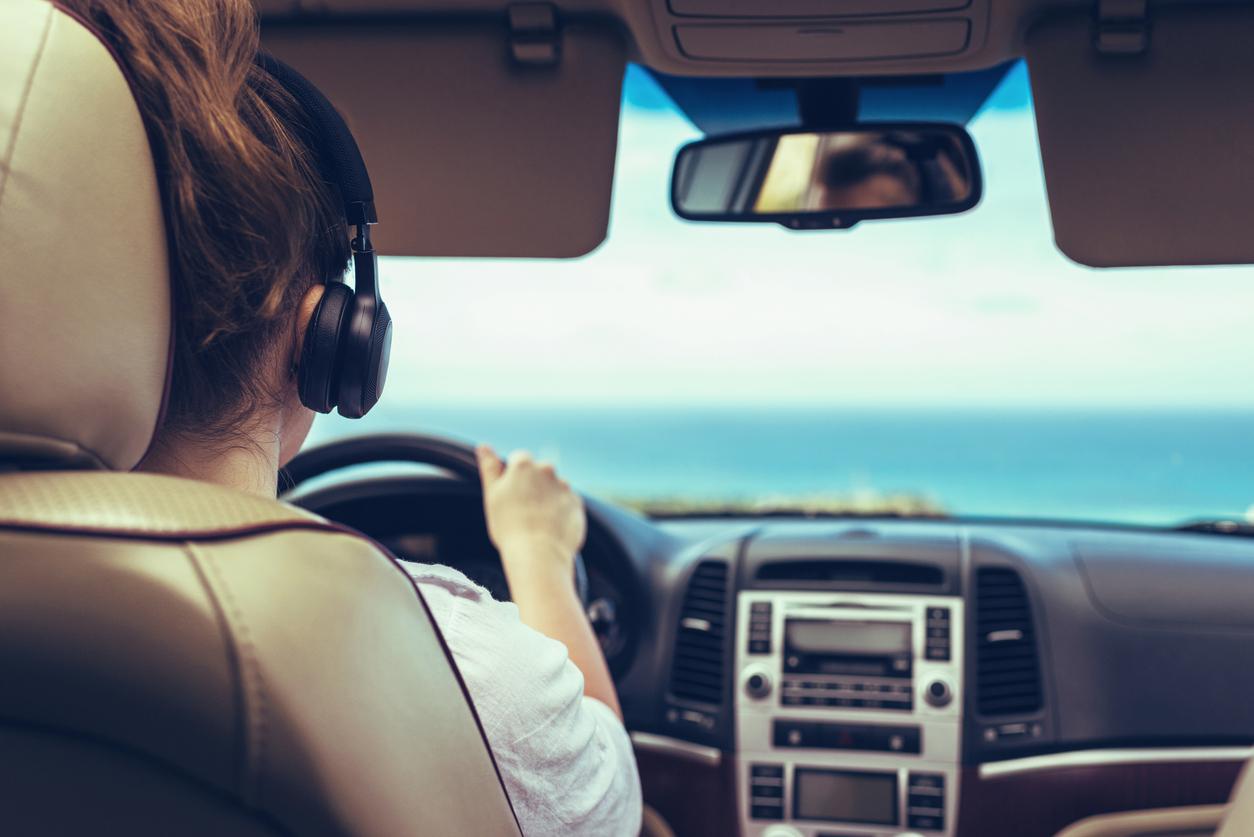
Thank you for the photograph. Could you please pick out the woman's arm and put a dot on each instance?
(538, 524)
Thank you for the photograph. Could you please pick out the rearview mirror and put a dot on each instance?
(828, 179)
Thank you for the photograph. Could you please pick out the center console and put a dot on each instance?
(848, 713)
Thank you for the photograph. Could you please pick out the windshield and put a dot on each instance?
(953, 365)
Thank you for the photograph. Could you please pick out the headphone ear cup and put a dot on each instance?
(363, 363)
(380, 353)
(318, 374)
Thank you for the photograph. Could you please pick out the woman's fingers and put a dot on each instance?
(521, 464)
(490, 465)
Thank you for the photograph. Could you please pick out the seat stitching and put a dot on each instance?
(251, 680)
(239, 743)
(7, 163)
(452, 662)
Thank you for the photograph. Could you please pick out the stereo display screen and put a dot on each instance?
(869, 649)
(822, 636)
(843, 796)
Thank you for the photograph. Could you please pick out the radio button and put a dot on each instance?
(760, 628)
(767, 812)
(769, 771)
(867, 738)
(927, 780)
(927, 823)
(926, 801)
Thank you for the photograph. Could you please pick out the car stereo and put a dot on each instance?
(867, 664)
(848, 713)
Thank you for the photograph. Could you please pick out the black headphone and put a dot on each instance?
(344, 359)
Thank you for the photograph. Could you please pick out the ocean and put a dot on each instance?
(1157, 467)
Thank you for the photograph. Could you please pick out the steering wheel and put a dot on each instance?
(457, 458)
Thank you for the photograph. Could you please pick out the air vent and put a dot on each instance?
(1007, 671)
(697, 673)
(852, 572)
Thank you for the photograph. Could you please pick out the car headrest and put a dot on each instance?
(84, 283)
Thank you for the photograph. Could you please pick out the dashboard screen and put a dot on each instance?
(822, 636)
(842, 796)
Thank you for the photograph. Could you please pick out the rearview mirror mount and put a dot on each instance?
(808, 179)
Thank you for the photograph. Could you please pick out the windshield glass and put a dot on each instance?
(954, 365)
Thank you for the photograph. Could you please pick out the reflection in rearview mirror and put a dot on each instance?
(808, 179)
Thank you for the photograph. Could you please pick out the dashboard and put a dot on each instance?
(867, 678)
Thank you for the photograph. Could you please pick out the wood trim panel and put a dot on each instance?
(1040, 803)
(696, 799)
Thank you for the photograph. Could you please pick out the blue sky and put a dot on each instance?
(964, 311)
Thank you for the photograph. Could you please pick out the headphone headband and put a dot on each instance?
(339, 158)
(344, 359)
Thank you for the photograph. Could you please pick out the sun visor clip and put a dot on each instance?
(1122, 27)
(535, 40)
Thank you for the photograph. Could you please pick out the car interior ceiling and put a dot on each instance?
(792, 675)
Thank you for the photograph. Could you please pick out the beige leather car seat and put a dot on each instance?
(175, 658)
(1238, 820)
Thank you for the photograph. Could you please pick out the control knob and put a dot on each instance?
(781, 831)
(938, 694)
(758, 685)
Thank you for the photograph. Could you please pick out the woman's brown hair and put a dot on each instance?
(251, 222)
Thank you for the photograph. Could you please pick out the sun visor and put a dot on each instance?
(1149, 155)
(473, 153)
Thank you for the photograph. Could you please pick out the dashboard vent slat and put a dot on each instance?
(1007, 664)
(698, 669)
(853, 571)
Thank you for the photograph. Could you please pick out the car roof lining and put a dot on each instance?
(730, 105)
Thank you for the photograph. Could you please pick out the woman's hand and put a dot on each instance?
(538, 524)
(535, 520)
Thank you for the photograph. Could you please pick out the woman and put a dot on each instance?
(256, 237)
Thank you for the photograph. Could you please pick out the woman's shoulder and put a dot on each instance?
(486, 635)
(438, 577)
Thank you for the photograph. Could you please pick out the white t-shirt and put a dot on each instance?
(565, 758)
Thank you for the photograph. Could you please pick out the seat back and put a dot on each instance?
(1239, 818)
(182, 659)
(175, 658)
